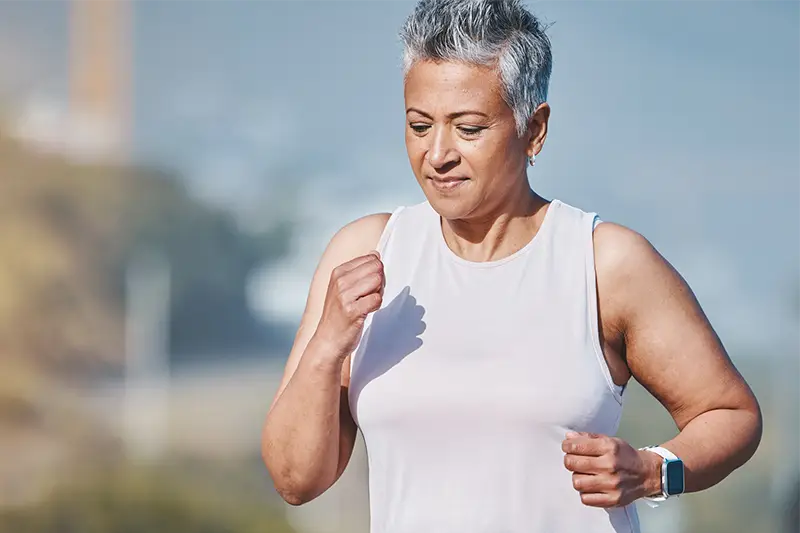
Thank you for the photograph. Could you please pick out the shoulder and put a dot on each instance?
(630, 271)
(357, 238)
(621, 252)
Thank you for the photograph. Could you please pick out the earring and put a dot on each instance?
(532, 160)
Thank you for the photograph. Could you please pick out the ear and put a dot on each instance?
(537, 129)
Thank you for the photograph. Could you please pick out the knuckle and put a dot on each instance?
(615, 481)
(350, 309)
(576, 482)
(608, 464)
(613, 445)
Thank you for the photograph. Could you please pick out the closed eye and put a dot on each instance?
(470, 130)
(419, 128)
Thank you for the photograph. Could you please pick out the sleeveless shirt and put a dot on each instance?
(468, 377)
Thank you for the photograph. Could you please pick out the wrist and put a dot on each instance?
(651, 484)
(326, 349)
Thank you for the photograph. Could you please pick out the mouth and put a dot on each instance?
(446, 184)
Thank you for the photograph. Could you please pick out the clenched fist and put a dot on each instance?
(355, 290)
(609, 472)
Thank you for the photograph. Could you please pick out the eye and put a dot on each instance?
(419, 128)
(470, 131)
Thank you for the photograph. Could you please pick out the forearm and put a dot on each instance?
(302, 433)
(711, 446)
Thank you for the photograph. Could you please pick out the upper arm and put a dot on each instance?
(670, 346)
(353, 240)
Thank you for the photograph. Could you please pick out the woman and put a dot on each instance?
(482, 340)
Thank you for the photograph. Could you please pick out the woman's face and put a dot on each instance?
(461, 139)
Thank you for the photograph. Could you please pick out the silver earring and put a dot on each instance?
(532, 160)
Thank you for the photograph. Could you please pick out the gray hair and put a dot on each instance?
(496, 33)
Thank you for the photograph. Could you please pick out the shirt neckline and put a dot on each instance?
(447, 251)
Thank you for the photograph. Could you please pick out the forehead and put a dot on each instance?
(444, 86)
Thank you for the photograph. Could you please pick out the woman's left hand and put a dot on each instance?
(609, 472)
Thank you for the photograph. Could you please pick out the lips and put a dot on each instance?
(447, 183)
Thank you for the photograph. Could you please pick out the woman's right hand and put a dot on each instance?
(355, 290)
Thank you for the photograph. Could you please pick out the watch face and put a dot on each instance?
(674, 477)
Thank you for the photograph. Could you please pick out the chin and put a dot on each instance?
(451, 207)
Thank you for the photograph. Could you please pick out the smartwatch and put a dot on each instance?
(672, 475)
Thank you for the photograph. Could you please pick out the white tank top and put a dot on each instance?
(467, 379)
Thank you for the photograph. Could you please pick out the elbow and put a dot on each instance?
(292, 486)
(749, 431)
(293, 489)
(294, 497)
(756, 427)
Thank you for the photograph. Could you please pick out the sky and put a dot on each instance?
(680, 120)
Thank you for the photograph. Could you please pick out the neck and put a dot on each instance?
(499, 232)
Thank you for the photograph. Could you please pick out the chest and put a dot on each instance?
(503, 350)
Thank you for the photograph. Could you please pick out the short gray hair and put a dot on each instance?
(497, 33)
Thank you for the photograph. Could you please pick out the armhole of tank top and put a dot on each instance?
(594, 315)
(387, 230)
(381, 248)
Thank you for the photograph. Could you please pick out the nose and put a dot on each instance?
(441, 151)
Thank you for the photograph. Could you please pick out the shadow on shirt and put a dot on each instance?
(390, 338)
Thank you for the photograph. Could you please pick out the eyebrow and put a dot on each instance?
(451, 115)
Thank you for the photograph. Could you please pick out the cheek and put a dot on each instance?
(416, 150)
(494, 157)
(484, 158)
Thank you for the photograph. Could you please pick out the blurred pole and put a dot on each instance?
(100, 70)
(147, 372)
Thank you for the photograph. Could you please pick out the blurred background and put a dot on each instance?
(170, 172)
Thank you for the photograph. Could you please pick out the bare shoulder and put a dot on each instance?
(627, 263)
(635, 280)
(356, 238)
(624, 256)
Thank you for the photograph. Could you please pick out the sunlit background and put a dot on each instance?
(171, 171)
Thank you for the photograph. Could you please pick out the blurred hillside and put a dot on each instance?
(68, 232)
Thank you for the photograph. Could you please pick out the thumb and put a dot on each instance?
(574, 434)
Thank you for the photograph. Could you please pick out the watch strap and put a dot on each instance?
(654, 501)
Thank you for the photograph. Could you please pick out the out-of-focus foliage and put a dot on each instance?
(67, 232)
(144, 500)
(792, 509)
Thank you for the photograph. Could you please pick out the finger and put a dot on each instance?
(584, 445)
(351, 265)
(369, 303)
(570, 434)
(371, 264)
(589, 483)
(368, 284)
(600, 499)
(583, 464)
(353, 277)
